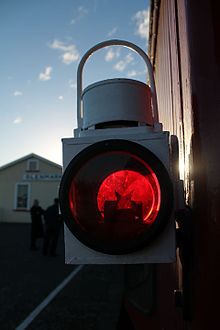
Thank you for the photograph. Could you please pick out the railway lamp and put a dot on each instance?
(116, 193)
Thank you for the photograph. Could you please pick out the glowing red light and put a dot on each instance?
(71, 197)
(126, 188)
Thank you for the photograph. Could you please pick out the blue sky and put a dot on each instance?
(42, 42)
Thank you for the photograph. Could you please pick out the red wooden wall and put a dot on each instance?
(186, 53)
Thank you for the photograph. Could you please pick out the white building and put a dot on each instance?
(22, 181)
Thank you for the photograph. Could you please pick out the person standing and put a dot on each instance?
(36, 223)
(52, 228)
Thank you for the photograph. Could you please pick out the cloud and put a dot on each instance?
(135, 73)
(132, 73)
(141, 19)
(18, 93)
(46, 75)
(17, 120)
(113, 31)
(112, 54)
(60, 97)
(57, 44)
(122, 64)
(69, 57)
(69, 51)
(72, 84)
(81, 13)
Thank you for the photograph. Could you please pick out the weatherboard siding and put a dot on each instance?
(43, 185)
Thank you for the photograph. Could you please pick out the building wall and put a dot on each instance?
(44, 190)
(173, 115)
(172, 76)
(204, 25)
(187, 69)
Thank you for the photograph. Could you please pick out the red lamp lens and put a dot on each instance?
(130, 190)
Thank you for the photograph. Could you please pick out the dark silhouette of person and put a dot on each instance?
(52, 228)
(36, 223)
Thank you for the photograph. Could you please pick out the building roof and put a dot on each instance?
(32, 155)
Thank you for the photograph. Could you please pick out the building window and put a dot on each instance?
(32, 165)
(22, 196)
